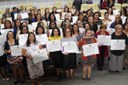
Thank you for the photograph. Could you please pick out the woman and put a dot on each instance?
(96, 18)
(106, 18)
(118, 20)
(32, 17)
(39, 30)
(66, 9)
(69, 58)
(87, 61)
(35, 70)
(17, 24)
(46, 14)
(94, 26)
(103, 50)
(111, 3)
(56, 56)
(126, 51)
(117, 56)
(78, 35)
(7, 24)
(38, 17)
(15, 61)
(51, 17)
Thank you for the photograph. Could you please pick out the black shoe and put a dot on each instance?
(85, 78)
(88, 79)
(16, 82)
(124, 68)
(23, 82)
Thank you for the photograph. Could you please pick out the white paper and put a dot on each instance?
(63, 15)
(82, 30)
(54, 45)
(43, 39)
(2, 40)
(74, 19)
(57, 17)
(16, 50)
(38, 55)
(23, 15)
(34, 25)
(90, 49)
(117, 44)
(104, 40)
(2, 26)
(5, 31)
(116, 12)
(69, 47)
(123, 19)
(1, 50)
(23, 39)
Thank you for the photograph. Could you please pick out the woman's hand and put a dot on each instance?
(65, 53)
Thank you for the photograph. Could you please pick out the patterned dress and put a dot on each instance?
(87, 59)
(35, 70)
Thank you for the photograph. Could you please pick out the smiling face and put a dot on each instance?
(39, 30)
(31, 38)
(10, 35)
(56, 33)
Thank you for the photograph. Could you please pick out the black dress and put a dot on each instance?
(57, 58)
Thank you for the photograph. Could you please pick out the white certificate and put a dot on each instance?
(23, 39)
(82, 30)
(1, 50)
(2, 26)
(104, 40)
(16, 50)
(24, 15)
(118, 44)
(43, 39)
(2, 40)
(69, 47)
(39, 55)
(57, 17)
(90, 49)
(54, 45)
(5, 31)
(74, 19)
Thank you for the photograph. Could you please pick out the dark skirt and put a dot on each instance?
(3, 60)
(70, 61)
(57, 58)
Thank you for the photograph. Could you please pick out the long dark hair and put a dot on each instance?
(28, 42)
(41, 28)
(52, 34)
(73, 28)
(8, 33)
(51, 23)
(49, 18)
(21, 30)
(64, 32)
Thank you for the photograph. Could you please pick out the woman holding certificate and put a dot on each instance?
(102, 48)
(117, 49)
(35, 69)
(69, 52)
(56, 56)
(15, 61)
(87, 61)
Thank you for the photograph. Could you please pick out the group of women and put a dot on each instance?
(84, 31)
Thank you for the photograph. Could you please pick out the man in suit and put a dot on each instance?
(77, 4)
